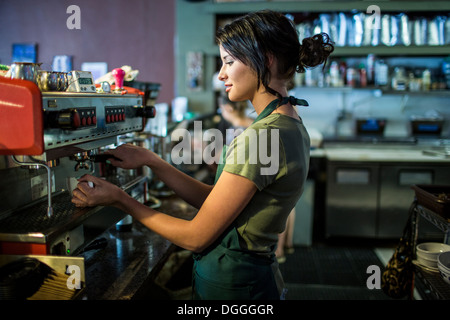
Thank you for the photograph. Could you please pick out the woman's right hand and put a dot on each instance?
(131, 156)
(93, 191)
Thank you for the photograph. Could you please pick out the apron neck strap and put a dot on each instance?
(275, 103)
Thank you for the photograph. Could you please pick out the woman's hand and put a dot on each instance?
(131, 156)
(92, 191)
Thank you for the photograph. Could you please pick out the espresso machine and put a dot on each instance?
(47, 140)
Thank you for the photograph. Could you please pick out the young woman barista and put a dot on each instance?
(234, 234)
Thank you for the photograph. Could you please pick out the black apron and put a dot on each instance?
(225, 271)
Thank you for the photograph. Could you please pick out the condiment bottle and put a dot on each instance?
(362, 76)
(426, 80)
(399, 80)
(334, 74)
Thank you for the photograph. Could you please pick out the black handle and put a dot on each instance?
(103, 157)
(146, 112)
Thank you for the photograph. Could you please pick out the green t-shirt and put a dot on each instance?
(274, 154)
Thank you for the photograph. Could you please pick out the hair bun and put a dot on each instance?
(314, 51)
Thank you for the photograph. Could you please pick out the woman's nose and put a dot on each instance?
(222, 75)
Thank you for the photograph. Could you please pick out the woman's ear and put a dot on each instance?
(270, 60)
(272, 64)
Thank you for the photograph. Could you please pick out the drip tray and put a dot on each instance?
(31, 231)
(31, 224)
(34, 218)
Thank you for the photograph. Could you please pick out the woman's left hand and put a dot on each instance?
(92, 191)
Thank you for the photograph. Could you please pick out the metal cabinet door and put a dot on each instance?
(351, 201)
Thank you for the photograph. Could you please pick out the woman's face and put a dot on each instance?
(240, 80)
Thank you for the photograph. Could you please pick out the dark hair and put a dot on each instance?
(255, 36)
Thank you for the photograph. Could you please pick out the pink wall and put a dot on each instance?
(139, 33)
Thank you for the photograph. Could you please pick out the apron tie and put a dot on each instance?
(294, 101)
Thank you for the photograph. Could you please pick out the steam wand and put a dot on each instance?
(49, 181)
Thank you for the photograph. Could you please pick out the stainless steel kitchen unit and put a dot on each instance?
(369, 191)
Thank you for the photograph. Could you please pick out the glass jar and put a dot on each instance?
(399, 80)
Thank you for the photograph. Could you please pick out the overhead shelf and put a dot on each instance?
(398, 50)
(230, 8)
(380, 50)
(209, 14)
(376, 91)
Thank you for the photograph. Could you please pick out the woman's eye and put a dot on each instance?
(229, 63)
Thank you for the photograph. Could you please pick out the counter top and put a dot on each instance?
(130, 259)
(382, 155)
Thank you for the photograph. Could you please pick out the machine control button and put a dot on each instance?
(75, 120)
(70, 119)
(114, 114)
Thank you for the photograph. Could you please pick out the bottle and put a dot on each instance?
(351, 77)
(446, 68)
(362, 76)
(413, 83)
(426, 80)
(370, 69)
(343, 74)
(399, 80)
(334, 74)
(381, 73)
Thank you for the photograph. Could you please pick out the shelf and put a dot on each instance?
(325, 6)
(437, 287)
(382, 50)
(208, 13)
(378, 92)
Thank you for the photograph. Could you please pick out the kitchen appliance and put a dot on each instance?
(426, 127)
(370, 126)
(53, 136)
(52, 81)
(371, 199)
(25, 71)
(81, 81)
